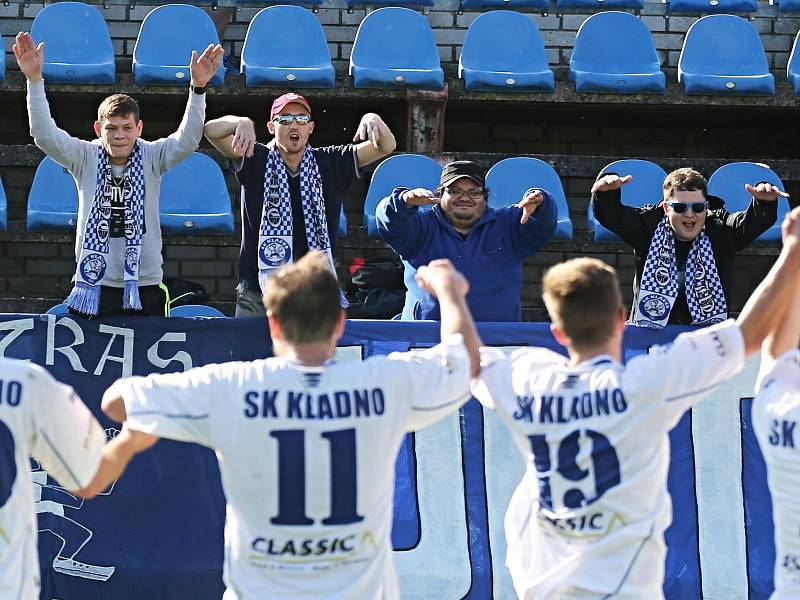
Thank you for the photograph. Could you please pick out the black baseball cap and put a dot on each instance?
(462, 168)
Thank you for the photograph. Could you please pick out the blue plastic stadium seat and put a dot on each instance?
(194, 198)
(2, 66)
(722, 54)
(272, 56)
(58, 309)
(728, 181)
(504, 50)
(53, 199)
(644, 188)
(394, 47)
(510, 178)
(614, 52)
(78, 46)
(3, 208)
(194, 310)
(401, 170)
(599, 4)
(712, 6)
(166, 39)
(793, 68)
(342, 223)
(540, 4)
(789, 5)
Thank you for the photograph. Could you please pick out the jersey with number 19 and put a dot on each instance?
(45, 419)
(776, 413)
(307, 460)
(587, 519)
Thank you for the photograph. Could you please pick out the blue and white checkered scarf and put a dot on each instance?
(659, 286)
(276, 231)
(94, 256)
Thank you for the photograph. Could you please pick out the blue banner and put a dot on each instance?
(157, 533)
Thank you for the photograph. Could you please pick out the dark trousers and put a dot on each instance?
(153, 298)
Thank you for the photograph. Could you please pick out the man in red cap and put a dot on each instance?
(293, 193)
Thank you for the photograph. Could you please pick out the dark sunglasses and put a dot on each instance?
(287, 119)
(680, 207)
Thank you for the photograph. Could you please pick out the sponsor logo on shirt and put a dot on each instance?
(591, 524)
(304, 552)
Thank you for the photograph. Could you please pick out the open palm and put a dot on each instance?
(203, 67)
(30, 57)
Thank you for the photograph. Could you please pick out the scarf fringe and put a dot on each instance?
(84, 298)
(130, 296)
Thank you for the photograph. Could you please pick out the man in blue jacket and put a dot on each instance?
(487, 245)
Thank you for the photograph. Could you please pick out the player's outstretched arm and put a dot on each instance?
(450, 288)
(772, 299)
(116, 455)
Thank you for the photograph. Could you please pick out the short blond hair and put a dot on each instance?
(583, 300)
(118, 105)
(304, 297)
(684, 180)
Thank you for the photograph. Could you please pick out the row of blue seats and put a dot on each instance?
(194, 197)
(508, 180)
(613, 51)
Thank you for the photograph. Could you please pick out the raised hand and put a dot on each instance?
(203, 67)
(610, 182)
(30, 57)
(529, 203)
(420, 197)
(440, 277)
(371, 128)
(765, 192)
(790, 228)
(244, 138)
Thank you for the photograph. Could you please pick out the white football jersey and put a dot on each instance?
(776, 413)
(307, 460)
(590, 512)
(45, 419)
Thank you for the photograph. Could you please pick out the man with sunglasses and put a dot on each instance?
(487, 245)
(685, 251)
(292, 193)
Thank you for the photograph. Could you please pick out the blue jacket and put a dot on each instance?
(490, 256)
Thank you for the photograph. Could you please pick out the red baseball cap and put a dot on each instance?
(281, 101)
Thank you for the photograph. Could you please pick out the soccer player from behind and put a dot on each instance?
(306, 445)
(46, 420)
(775, 414)
(587, 520)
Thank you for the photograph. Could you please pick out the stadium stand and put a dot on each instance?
(166, 39)
(599, 4)
(53, 199)
(509, 179)
(271, 55)
(194, 310)
(78, 44)
(518, 63)
(788, 5)
(2, 65)
(194, 198)
(793, 67)
(728, 182)
(385, 3)
(614, 52)
(540, 4)
(414, 63)
(712, 6)
(722, 54)
(3, 208)
(644, 188)
(402, 170)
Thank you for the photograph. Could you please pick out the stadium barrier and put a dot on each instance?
(157, 533)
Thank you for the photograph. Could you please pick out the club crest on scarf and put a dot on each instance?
(276, 230)
(660, 285)
(95, 253)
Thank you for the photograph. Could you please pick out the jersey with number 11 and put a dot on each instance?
(307, 460)
(592, 508)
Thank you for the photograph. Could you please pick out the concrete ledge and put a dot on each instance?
(345, 92)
